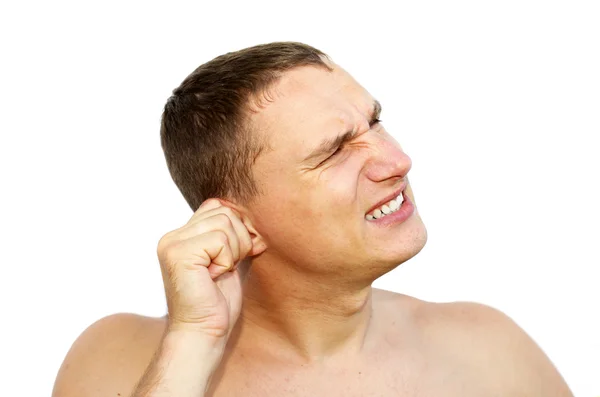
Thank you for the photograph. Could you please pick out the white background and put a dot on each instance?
(497, 103)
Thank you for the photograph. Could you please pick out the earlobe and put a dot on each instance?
(258, 246)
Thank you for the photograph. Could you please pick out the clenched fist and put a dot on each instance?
(199, 264)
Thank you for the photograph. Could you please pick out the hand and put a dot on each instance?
(199, 264)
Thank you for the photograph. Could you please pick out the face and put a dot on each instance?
(317, 193)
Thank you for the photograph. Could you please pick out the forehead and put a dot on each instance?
(309, 104)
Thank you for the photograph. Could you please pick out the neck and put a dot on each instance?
(305, 315)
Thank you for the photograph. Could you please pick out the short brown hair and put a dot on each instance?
(207, 142)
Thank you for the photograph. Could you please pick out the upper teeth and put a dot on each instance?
(387, 208)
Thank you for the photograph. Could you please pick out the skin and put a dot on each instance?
(301, 279)
(311, 324)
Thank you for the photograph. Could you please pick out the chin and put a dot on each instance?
(412, 241)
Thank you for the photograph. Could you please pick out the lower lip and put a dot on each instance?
(403, 213)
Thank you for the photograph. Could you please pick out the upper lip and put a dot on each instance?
(388, 198)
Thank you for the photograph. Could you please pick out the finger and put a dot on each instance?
(223, 262)
(218, 248)
(206, 205)
(216, 222)
(240, 228)
(236, 220)
(244, 238)
(208, 249)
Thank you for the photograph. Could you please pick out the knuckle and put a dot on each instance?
(231, 213)
(210, 202)
(224, 219)
(222, 237)
(227, 210)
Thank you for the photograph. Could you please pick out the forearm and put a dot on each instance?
(182, 366)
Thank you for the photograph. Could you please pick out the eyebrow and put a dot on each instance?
(330, 144)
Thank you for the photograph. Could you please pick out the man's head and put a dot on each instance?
(263, 128)
(205, 130)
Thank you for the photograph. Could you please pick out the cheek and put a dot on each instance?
(343, 178)
(341, 192)
(336, 190)
(301, 208)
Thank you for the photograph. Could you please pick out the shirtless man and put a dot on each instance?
(291, 175)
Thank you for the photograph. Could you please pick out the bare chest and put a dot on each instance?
(394, 379)
(303, 385)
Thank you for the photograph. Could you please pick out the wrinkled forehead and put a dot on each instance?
(308, 104)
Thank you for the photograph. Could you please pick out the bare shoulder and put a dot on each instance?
(490, 343)
(110, 356)
(475, 340)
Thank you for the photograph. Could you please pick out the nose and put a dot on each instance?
(387, 160)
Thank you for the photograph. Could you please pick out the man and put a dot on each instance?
(301, 201)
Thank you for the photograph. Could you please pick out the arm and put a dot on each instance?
(182, 366)
(130, 355)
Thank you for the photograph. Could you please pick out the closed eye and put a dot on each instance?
(374, 121)
(332, 155)
(339, 149)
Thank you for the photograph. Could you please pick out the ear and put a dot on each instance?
(258, 243)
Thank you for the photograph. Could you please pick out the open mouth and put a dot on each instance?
(388, 208)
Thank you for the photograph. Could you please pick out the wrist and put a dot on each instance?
(192, 357)
(196, 330)
(188, 339)
(183, 365)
